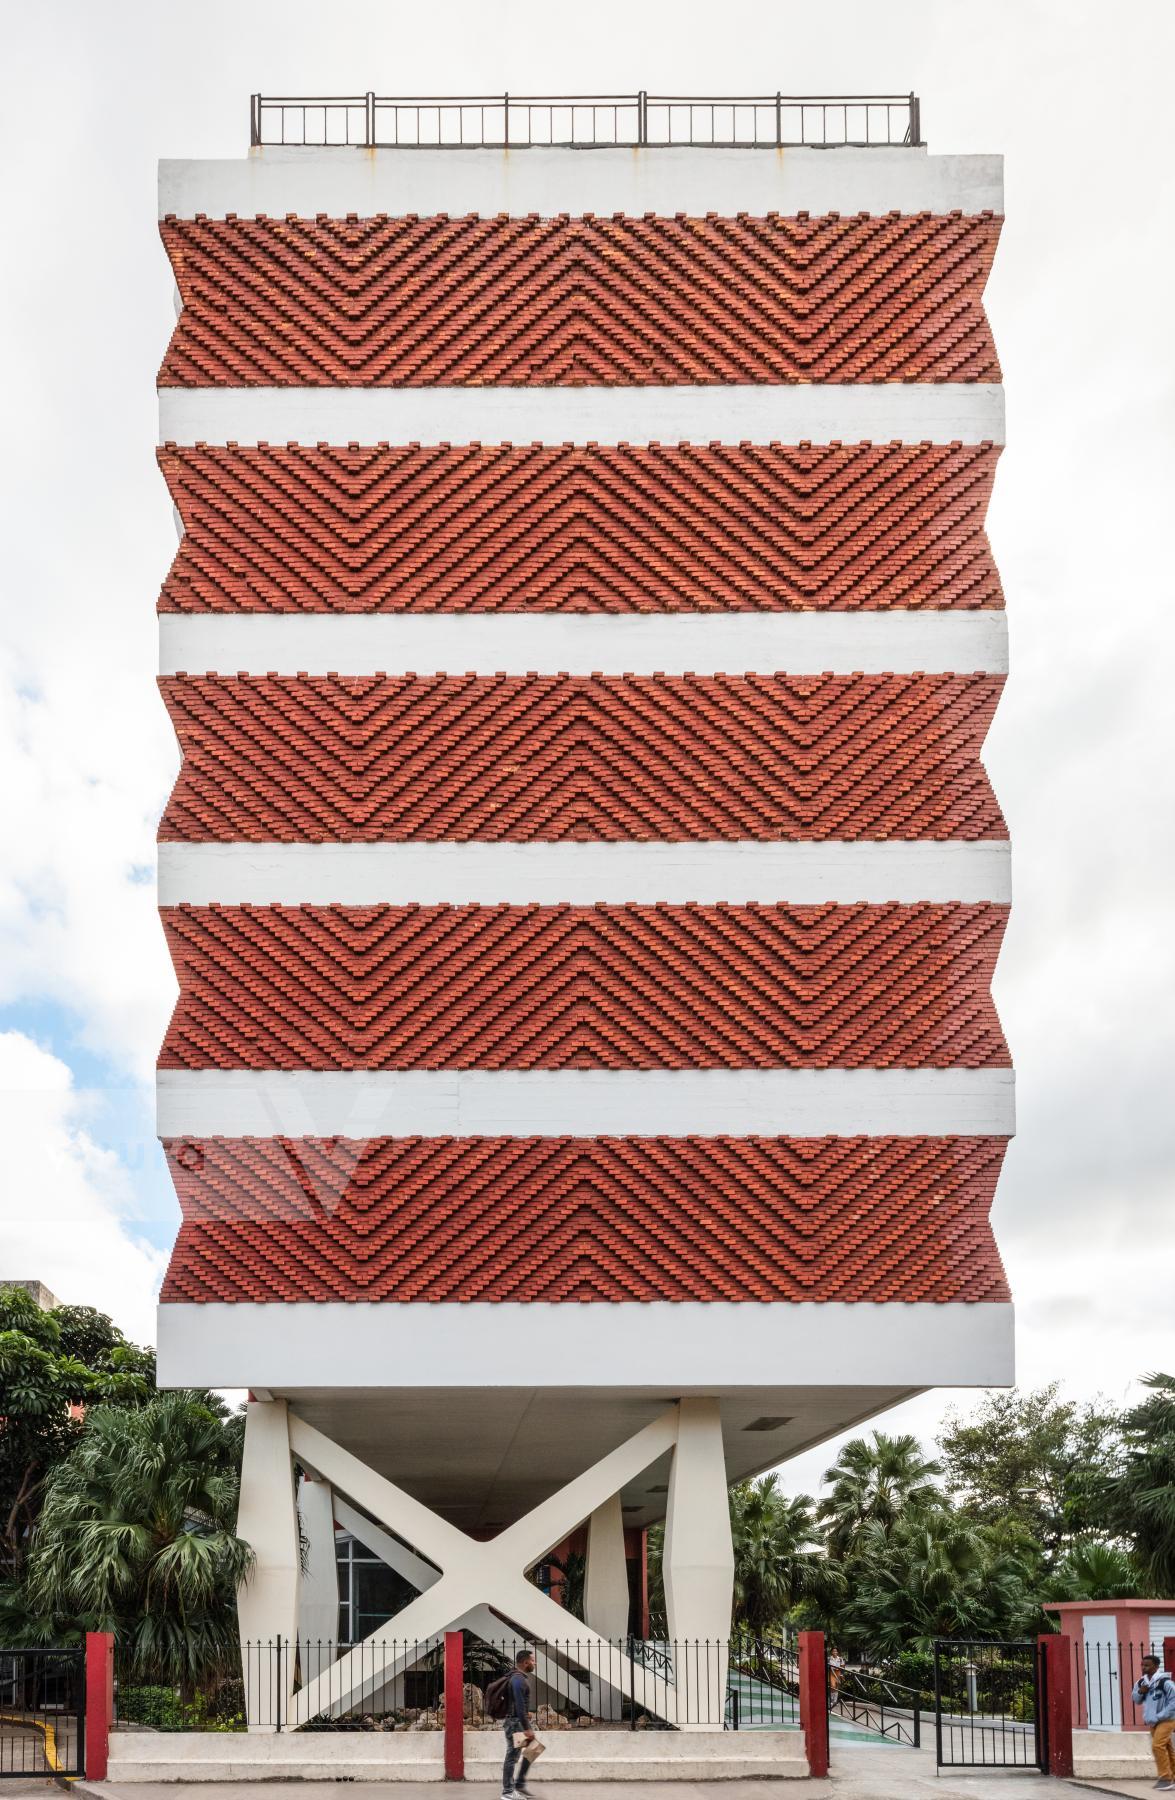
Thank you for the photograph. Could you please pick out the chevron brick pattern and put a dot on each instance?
(567, 987)
(330, 758)
(624, 528)
(744, 1219)
(539, 302)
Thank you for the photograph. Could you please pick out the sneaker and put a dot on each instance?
(1165, 1787)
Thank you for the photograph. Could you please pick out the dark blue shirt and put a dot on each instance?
(520, 1698)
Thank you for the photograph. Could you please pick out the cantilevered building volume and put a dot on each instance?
(582, 879)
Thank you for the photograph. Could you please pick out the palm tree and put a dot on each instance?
(1143, 1497)
(777, 1559)
(878, 1484)
(137, 1536)
(934, 1574)
(1091, 1570)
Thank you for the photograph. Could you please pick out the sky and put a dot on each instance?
(1074, 95)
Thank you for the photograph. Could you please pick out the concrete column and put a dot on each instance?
(605, 1605)
(699, 1566)
(318, 1599)
(605, 1588)
(267, 1601)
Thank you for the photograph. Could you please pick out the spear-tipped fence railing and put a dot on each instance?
(585, 121)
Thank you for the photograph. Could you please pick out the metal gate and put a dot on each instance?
(989, 1706)
(42, 1712)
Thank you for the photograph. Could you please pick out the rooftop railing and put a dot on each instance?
(585, 121)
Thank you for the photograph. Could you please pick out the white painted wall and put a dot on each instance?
(581, 874)
(583, 1102)
(801, 643)
(686, 1347)
(912, 412)
(551, 181)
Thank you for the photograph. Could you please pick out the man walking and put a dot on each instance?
(1154, 1691)
(518, 1727)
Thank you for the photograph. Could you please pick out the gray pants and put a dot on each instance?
(514, 1770)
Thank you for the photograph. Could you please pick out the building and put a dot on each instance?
(36, 1290)
(582, 879)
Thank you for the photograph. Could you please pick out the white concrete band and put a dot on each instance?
(908, 412)
(583, 1102)
(551, 181)
(806, 874)
(802, 643)
(685, 1347)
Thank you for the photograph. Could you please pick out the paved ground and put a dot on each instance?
(1134, 1790)
(857, 1774)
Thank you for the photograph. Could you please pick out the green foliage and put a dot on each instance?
(1037, 1462)
(778, 1558)
(51, 1362)
(875, 1485)
(934, 1573)
(1092, 1570)
(220, 1707)
(136, 1536)
(1142, 1499)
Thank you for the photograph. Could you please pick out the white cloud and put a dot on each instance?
(66, 1205)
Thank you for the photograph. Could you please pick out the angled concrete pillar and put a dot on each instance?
(605, 1588)
(698, 1564)
(318, 1597)
(267, 1601)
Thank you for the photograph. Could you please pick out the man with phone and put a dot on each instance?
(1154, 1691)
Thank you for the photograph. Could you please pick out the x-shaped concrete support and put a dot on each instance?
(475, 1574)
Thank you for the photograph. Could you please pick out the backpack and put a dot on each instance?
(498, 1698)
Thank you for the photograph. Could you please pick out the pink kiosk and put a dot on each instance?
(1110, 1638)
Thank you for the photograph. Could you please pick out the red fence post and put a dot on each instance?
(454, 1706)
(99, 1702)
(1169, 1655)
(1056, 1653)
(814, 1700)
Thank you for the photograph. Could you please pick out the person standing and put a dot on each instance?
(518, 1726)
(1154, 1691)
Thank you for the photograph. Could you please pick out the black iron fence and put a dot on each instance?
(740, 1683)
(877, 1704)
(42, 1713)
(1107, 1675)
(585, 121)
(989, 1707)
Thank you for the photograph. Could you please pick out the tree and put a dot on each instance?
(1046, 1463)
(1091, 1570)
(934, 1574)
(137, 1536)
(875, 1484)
(1142, 1499)
(51, 1362)
(778, 1563)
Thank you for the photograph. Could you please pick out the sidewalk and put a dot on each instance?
(857, 1774)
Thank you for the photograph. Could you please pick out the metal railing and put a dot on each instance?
(877, 1704)
(42, 1713)
(1107, 1673)
(585, 121)
(284, 1684)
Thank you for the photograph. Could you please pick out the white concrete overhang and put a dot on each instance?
(806, 874)
(481, 1409)
(910, 412)
(584, 1102)
(549, 180)
(797, 643)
